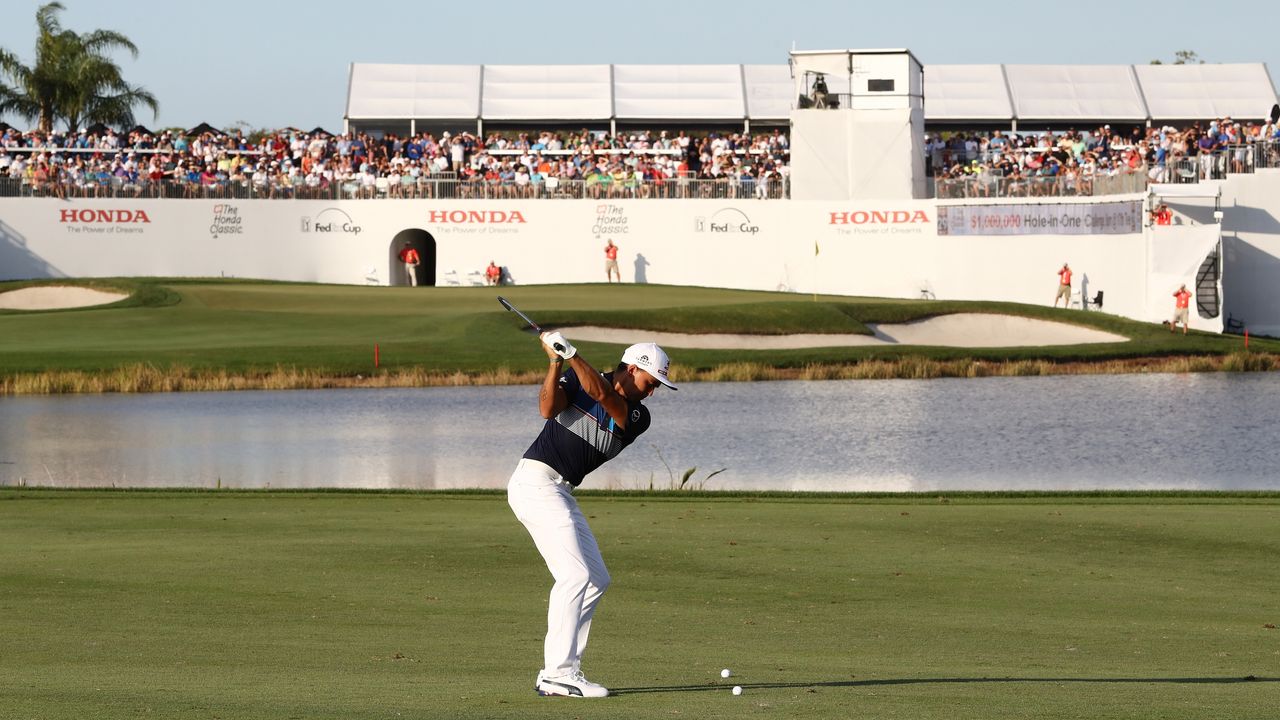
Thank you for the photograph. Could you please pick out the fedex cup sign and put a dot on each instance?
(726, 220)
(331, 220)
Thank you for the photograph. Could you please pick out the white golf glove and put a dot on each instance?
(556, 341)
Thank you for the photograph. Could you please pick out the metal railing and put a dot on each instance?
(824, 101)
(426, 187)
(122, 150)
(1241, 159)
(1235, 159)
(1067, 185)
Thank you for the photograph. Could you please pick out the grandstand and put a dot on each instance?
(405, 99)
(569, 156)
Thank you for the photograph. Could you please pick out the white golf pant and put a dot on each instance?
(545, 505)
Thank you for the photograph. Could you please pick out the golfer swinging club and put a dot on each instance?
(591, 417)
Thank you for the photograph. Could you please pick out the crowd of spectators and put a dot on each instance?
(294, 163)
(594, 164)
(968, 164)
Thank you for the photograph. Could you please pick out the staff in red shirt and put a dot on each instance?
(1182, 301)
(409, 256)
(611, 263)
(1064, 287)
(493, 273)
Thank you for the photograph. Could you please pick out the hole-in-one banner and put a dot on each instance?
(1115, 218)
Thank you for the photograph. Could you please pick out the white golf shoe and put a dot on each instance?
(574, 684)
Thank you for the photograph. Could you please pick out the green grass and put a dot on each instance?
(361, 605)
(246, 327)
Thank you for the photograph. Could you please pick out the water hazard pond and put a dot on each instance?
(1193, 431)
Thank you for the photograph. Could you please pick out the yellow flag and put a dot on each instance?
(815, 247)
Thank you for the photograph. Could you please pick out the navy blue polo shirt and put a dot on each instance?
(583, 436)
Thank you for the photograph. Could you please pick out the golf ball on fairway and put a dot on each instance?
(737, 689)
(725, 673)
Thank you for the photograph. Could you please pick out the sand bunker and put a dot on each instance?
(956, 330)
(56, 297)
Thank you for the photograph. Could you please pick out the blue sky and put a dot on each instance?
(272, 64)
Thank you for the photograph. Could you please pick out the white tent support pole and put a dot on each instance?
(480, 105)
(1008, 93)
(1267, 71)
(613, 100)
(1142, 93)
(351, 73)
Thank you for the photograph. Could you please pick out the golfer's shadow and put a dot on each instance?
(932, 681)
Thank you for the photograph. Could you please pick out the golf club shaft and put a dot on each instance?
(532, 324)
(526, 318)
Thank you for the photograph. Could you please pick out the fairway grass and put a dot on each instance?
(432, 605)
(173, 335)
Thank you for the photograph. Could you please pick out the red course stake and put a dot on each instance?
(375, 354)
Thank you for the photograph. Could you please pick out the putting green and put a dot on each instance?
(178, 329)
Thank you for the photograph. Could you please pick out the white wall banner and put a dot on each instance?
(868, 247)
(1115, 218)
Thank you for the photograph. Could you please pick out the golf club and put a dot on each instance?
(532, 324)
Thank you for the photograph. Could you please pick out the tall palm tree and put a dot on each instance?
(72, 78)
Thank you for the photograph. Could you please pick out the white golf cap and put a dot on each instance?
(650, 358)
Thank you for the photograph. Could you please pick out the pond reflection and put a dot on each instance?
(1206, 431)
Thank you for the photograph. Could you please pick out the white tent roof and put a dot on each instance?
(770, 91)
(688, 92)
(546, 92)
(953, 93)
(1195, 92)
(966, 92)
(396, 91)
(1075, 92)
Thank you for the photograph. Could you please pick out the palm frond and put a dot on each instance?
(72, 79)
(100, 41)
(47, 18)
